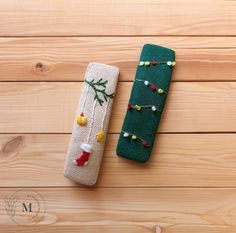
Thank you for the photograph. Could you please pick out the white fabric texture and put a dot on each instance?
(88, 174)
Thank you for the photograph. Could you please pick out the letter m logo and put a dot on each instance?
(27, 208)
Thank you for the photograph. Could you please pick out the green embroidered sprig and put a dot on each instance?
(100, 93)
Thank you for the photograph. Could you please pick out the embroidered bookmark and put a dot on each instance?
(90, 127)
(146, 102)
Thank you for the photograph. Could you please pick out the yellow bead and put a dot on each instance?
(137, 107)
(134, 137)
(160, 91)
(81, 120)
(100, 136)
(147, 63)
(173, 63)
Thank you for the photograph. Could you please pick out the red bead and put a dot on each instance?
(153, 87)
(145, 143)
(130, 106)
(153, 63)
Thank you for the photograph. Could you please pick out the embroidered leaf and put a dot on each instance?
(105, 97)
(100, 94)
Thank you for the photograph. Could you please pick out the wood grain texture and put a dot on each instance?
(188, 186)
(65, 59)
(142, 17)
(183, 160)
(93, 210)
(29, 107)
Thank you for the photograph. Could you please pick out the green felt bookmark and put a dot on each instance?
(146, 102)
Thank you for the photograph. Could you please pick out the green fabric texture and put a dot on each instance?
(144, 123)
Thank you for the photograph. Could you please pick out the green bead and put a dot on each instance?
(137, 107)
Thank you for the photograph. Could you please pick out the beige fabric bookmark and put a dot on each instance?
(90, 127)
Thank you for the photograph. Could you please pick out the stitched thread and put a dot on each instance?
(100, 135)
(152, 86)
(140, 107)
(92, 120)
(154, 63)
(134, 137)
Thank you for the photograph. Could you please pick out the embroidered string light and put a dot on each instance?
(135, 138)
(92, 120)
(153, 87)
(82, 119)
(99, 88)
(100, 135)
(140, 107)
(154, 63)
(86, 148)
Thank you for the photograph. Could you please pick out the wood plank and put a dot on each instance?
(29, 107)
(185, 160)
(142, 17)
(93, 228)
(171, 210)
(65, 59)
